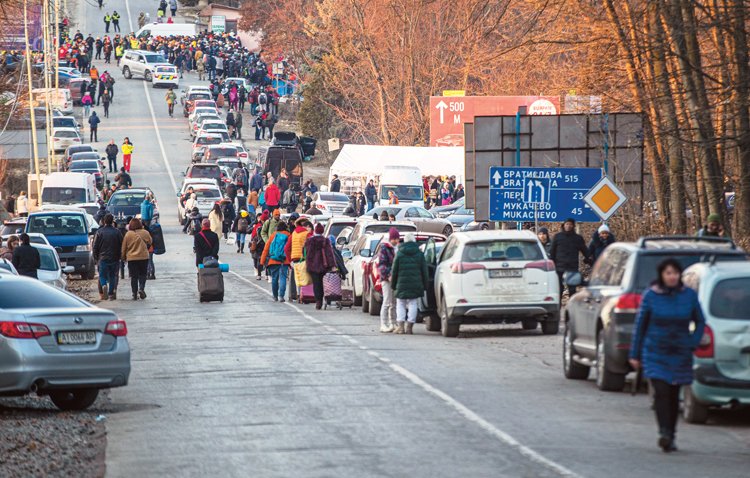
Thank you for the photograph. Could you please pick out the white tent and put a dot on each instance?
(367, 161)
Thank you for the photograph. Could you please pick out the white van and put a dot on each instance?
(405, 182)
(69, 188)
(59, 99)
(166, 30)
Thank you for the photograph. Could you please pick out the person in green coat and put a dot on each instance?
(409, 281)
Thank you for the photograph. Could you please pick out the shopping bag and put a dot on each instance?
(301, 276)
(231, 239)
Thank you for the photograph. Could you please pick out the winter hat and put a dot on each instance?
(319, 229)
(393, 234)
(277, 213)
(714, 217)
(570, 220)
(410, 237)
(264, 216)
(603, 228)
(206, 224)
(543, 230)
(243, 213)
(294, 216)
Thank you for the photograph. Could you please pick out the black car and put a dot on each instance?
(91, 166)
(127, 203)
(599, 319)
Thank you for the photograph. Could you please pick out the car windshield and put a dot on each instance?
(647, 264)
(207, 194)
(57, 224)
(404, 192)
(502, 250)
(48, 260)
(379, 210)
(54, 195)
(730, 299)
(66, 134)
(84, 166)
(29, 294)
(336, 197)
(64, 122)
(126, 199)
(166, 69)
(205, 172)
(155, 59)
(12, 229)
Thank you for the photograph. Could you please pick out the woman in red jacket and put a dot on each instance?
(272, 196)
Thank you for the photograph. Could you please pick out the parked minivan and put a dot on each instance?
(405, 182)
(69, 188)
(285, 151)
(68, 232)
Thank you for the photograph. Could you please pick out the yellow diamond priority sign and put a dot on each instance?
(605, 198)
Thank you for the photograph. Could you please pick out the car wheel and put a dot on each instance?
(126, 73)
(529, 324)
(573, 370)
(606, 380)
(90, 272)
(374, 305)
(147, 76)
(357, 300)
(448, 330)
(447, 231)
(551, 325)
(432, 323)
(365, 303)
(692, 410)
(74, 399)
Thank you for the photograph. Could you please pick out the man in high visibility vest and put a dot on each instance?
(116, 20)
(107, 20)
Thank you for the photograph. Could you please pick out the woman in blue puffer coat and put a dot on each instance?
(663, 344)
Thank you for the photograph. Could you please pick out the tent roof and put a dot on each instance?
(365, 160)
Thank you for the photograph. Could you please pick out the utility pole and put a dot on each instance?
(47, 84)
(31, 102)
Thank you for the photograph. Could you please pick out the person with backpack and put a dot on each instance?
(269, 227)
(241, 226)
(193, 221)
(289, 201)
(228, 215)
(257, 244)
(276, 261)
(319, 260)
(205, 243)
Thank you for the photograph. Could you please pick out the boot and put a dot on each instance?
(399, 329)
(318, 304)
(386, 329)
(112, 295)
(142, 294)
(409, 327)
(102, 292)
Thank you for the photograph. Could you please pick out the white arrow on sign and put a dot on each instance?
(441, 106)
(496, 178)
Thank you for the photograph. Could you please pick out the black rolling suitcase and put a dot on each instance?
(210, 284)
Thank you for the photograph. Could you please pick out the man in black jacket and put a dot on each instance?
(26, 258)
(566, 245)
(107, 252)
(335, 184)
(205, 243)
(371, 194)
(112, 151)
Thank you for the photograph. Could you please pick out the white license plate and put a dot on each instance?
(76, 338)
(506, 273)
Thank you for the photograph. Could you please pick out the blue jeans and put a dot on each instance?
(278, 279)
(108, 274)
(241, 236)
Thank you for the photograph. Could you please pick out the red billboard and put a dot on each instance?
(449, 113)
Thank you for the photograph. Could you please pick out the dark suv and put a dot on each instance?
(599, 319)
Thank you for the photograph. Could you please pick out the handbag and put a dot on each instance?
(231, 239)
(301, 276)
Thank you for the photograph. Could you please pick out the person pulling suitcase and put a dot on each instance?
(210, 278)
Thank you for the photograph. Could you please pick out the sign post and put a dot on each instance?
(218, 23)
(547, 194)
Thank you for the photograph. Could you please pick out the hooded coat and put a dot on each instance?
(409, 272)
(320, 258)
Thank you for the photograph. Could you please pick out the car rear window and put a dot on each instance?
(502, 250)
(207, 194)
(209, 140)
(66, 134)
(223, 152)
(730, 299)
(205, 172)
(647, 264)
(333, 197)
(84, 165)
(336, 228)
(58, 224)
(166, 69)
(379, 210)
(200, 95)
(376, 228)
(17, 294)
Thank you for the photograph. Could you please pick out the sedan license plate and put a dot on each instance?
(76, 338)
(505, 273)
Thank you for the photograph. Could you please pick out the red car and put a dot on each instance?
(372, 294)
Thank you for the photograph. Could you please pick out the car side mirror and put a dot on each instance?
(346, 254)
(341, 241)
(364, 253)
(68, 269)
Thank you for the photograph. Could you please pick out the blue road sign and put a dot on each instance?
(554, 193)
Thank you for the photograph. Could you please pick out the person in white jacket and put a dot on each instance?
(22, 205)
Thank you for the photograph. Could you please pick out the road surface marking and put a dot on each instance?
(462, 409)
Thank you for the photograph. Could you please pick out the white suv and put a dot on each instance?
(141, 63)
(496, 277)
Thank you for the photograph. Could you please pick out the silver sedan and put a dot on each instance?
(53, 343)
(424, 219)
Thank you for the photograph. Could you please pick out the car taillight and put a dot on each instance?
(76, 140)
(628, 304)
(463, 267)
(706, 346)
(545, 265)
(23, 330)
(118, 328)
(320, 206)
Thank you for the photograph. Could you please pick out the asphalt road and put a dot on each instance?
(249, 387)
